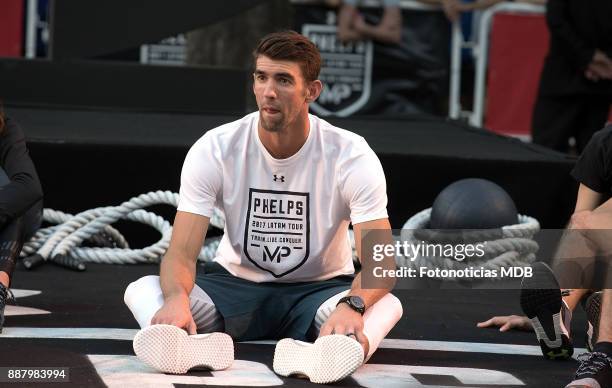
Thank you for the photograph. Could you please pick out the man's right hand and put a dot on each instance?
(176, 312)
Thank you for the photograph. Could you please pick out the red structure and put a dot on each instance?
(518, 46)
(11, 28)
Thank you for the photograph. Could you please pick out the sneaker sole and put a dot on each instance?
(331, 358)
(169, 349)
(593, 311)
(541, 302)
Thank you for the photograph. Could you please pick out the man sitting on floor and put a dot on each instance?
(289, 184)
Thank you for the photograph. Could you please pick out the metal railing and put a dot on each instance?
(480, 49)
(31, 25)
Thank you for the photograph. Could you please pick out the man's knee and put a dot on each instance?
(146, 286)
(384, 314)
(380, 319)
(393, 305)
(144, 298)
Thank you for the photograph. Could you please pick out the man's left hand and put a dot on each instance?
(345, 321)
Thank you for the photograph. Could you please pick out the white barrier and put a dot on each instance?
(480, 49)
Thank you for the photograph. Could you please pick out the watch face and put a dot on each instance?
(357, 302)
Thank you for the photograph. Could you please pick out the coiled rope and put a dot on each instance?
(61, 243)
(510, 246)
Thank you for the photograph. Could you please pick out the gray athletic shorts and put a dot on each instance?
(255, 311)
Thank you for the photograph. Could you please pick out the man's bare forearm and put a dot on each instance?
(374, 288)
(177, 275)
(178, 267)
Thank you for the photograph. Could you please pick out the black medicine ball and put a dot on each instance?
(473, 204)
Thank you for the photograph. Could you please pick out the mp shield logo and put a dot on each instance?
(277, 230)
(346, 72)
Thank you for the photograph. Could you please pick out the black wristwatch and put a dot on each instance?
(354, 302)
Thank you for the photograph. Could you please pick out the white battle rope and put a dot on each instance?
(64, 240)
(512, 246)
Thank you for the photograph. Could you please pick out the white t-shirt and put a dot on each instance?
(286, 219)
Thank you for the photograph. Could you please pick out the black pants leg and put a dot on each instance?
(11, 242)
(554, 121)
(594, 116)
(13, 235)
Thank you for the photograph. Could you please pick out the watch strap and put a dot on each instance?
(348, 301)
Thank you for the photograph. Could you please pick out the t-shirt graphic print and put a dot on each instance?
(277, 230)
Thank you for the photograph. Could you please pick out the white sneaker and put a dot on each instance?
(328, 359)
(169, 349)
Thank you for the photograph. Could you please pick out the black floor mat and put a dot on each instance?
(438, 342)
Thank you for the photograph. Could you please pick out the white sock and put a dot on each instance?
(144, 298)
(378, 320)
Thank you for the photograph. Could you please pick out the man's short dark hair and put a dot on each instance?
(294, 47)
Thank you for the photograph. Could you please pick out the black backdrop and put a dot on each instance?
(86, 84)
(85, 29)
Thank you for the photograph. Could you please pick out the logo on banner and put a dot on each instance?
(170, 51)
(346, 72)
(277, 230)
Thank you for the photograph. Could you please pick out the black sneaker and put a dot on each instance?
(542, 303)
(595, 371)
(593, 309)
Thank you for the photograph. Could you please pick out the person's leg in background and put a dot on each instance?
(15, 234)
(6, 265)
(604, 342)
(11, 241)
(593, 118)
(573, 268)
(554, 120)
(595, 370)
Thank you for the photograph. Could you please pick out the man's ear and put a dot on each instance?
(313, 90)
